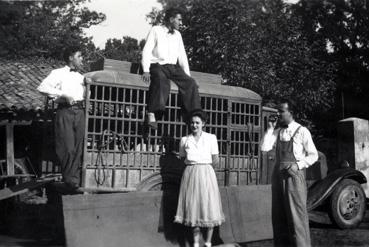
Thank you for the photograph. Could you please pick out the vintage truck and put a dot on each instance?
(121, 155)
(344, 189)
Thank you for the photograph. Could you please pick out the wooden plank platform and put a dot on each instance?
(63, 189)
(17, 176)
(146, 218)
(23, 187)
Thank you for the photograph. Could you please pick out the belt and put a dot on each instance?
(286, 164)
(80, 104)
(198, 164)
(166, 64)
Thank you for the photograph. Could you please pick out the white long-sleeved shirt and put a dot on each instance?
(304, 149)
(62, 81)
(164, 48)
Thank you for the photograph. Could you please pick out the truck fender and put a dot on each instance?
(322, 189)
(157, 180)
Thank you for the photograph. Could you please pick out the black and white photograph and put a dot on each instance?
(189, 123)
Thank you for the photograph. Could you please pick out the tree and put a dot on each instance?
(127, 49)
(259, 45)
(44, 28)
(343, 27)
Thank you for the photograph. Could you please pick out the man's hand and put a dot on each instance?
(293, 169)
(88, 80)
(146, 77)
(272, 124)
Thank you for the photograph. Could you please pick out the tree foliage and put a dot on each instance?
(44, 28)
(127, 49)
(260, 45)
(342, 26)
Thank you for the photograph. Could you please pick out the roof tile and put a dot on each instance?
(19, 79)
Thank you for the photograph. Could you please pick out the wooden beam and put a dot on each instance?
(10, 149)
(17, 176)
(15, 122)
(23, 188)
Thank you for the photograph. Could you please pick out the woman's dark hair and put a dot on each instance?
(198, 113)
(171, 12)
(70, 51)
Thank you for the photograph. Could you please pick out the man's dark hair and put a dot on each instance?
(171, 12)
(290, 103)
(70, 51)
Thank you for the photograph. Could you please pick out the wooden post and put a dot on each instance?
(10, 148)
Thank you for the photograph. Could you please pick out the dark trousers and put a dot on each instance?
(69, 135)
(160, 88)
(289, 213)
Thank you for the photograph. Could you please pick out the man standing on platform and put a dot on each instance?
(164, 58)
(66, 87)
(295, 151)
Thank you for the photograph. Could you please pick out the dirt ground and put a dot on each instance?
(324, 234)
(40, 225)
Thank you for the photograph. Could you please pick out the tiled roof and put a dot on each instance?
(19, 79)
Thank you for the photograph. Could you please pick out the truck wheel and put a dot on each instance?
(157, 182)
(347, 204)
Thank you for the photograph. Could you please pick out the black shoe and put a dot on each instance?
(72, 186)
(152, 125)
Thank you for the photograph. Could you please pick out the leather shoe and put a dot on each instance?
(71, 186)
(152, 125)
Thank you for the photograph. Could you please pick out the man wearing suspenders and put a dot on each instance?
(295, 151)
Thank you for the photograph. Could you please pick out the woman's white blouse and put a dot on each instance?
(198, 152)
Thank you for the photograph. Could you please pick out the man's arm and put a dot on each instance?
(49, 86)
(86, 80)
(310, 150)
(147, 54)
(269, 138)
(182, 59)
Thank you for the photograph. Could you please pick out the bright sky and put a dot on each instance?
(123, 18)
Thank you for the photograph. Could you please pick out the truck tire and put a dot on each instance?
(158, 182)
(347, 204)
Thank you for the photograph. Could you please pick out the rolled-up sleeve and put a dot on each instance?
(147, 50)
(51, 85)
(182, 58)
(311, 153)
(268, 140)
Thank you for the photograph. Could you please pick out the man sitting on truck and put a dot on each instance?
(164, 58)
(295, 151)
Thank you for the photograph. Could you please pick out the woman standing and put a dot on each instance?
(199, 203)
